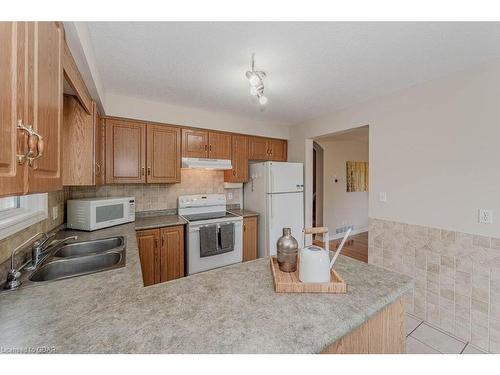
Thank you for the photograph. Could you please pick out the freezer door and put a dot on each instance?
(285, 177)
(284, 211)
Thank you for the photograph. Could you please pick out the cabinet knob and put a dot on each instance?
(234, 172)
(149, 171)
(142, 171)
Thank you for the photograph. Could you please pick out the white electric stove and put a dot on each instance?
(206, 210)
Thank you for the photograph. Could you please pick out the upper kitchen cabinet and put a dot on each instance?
(13, 76)
(163, 154)
(277, 149)
(99, 149)
(83, 130)
(239, 160)
(194, 143)
(125, 151)
(45, 44)
(83, 159)
(206, 144)
(258, 148)
(261, 148)
(31, 107)
(219, 145)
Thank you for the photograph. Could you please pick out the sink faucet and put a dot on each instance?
(38, 249)
(13, 276)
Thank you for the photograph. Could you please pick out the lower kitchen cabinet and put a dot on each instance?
(161, 252)
(249, 238)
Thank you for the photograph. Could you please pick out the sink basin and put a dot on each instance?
(89, 247)
(78, 266)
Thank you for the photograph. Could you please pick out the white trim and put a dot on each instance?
(33, 209)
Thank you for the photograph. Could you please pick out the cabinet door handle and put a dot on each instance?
(210, 148)
(142, 171)
(149, 171)
(206, 147)
(35, 144)
(234, 172)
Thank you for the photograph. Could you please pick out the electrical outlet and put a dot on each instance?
(485, 216)
(55, 212)
(382, 196)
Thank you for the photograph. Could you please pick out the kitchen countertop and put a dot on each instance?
(244, 213)
(228, 310)
(152, 222)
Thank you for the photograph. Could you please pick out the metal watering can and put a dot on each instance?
(314, 261)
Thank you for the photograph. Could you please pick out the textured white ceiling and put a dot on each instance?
(313, 68)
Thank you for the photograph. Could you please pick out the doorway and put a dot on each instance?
(340, 189)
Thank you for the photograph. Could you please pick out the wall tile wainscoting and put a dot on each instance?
(457, 277)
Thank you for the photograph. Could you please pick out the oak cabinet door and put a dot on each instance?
(278, 149)
(13, 69)
(125, 151)
(164, 154)
(249, 238)
(219, 145)
(239, 160)
(172, 253)
(258, 148)
(78, 146)
(45, 43)
(99, 147)
(148, 242)
(194, 143)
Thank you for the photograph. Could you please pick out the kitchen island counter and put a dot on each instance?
(227, 310)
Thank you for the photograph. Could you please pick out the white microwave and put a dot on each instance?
(97, 213)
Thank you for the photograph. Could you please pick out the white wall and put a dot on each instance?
(340, 207)
(138, 108)
(434, 148)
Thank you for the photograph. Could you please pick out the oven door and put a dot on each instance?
(196, 263)
(108, 213)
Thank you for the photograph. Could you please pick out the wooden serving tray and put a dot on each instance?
(288, 282)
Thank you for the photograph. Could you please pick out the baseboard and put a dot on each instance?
(355, 231)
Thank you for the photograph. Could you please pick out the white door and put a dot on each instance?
(284, 211)
(285, 177)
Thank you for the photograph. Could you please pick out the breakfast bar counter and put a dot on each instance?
(227, 310)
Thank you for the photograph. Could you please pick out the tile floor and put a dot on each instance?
(421, 338)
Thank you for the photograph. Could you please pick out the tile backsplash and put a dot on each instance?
(457, 277)
(163, 196)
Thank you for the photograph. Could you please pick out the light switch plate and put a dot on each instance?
(485, 216)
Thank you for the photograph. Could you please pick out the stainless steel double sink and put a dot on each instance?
(78, 259)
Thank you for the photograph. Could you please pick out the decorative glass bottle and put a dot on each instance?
(288, 249)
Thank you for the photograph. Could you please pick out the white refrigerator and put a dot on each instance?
(276, 192)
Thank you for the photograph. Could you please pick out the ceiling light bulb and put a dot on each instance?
(253, 90)
(262, 99)
(254, 79)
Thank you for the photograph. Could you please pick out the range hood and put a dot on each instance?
(203, 163)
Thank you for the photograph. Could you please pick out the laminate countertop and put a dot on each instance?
(232, 309)
(244, 213)
(159, 221)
